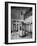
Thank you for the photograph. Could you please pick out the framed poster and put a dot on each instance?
(16, 14)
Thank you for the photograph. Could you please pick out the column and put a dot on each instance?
(29, 27)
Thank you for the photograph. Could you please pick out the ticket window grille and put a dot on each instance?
(15, 27)
(29, 27)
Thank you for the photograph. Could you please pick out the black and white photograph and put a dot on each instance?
(21, 22)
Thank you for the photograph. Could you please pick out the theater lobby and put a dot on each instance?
(21, 23)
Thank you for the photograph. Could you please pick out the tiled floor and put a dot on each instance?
(15, 35)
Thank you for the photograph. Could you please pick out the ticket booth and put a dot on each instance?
(19, 27)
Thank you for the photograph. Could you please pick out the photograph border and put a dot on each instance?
(6, 22)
